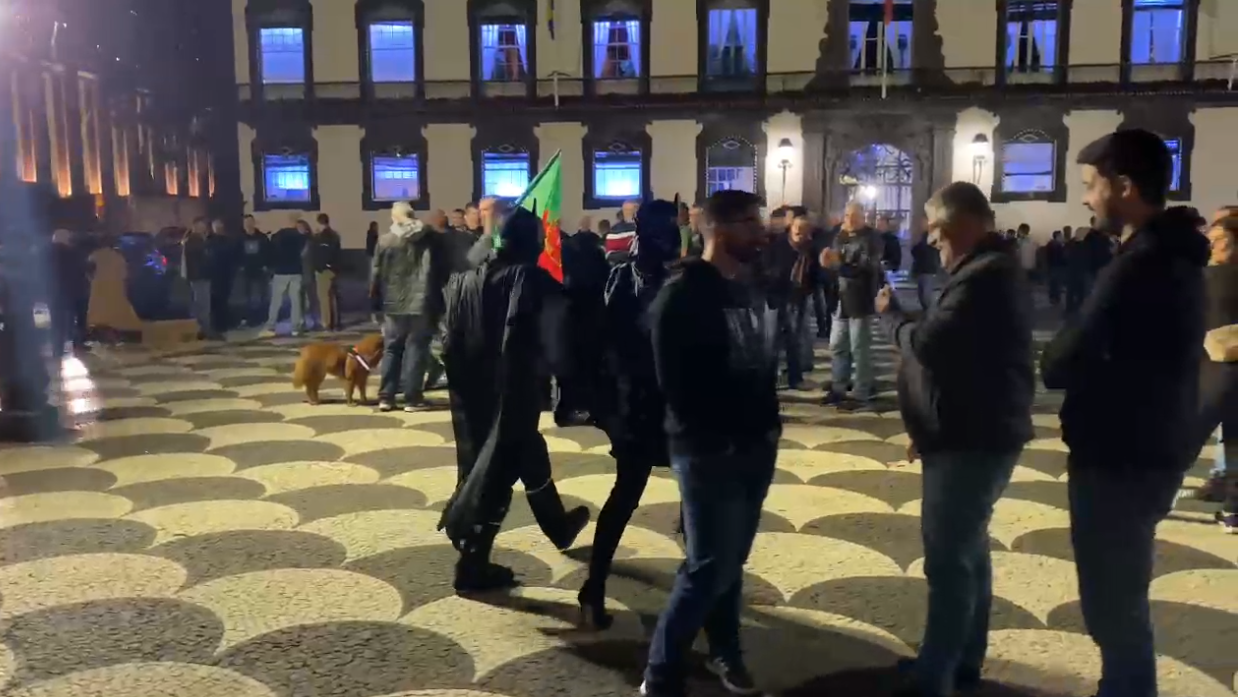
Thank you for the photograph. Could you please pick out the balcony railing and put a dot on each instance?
(1212, 75)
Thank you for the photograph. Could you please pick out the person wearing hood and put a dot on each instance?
(409, 272)
(503, 340)
(633, 410)
(965, 386)
(1129, 416)
(286, 249)
(585, 276)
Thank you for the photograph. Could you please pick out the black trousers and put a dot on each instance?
(632, 472)
(221, 293)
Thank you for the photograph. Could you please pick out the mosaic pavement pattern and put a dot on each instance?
(212, 536)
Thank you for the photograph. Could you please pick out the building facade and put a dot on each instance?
(98, 130)
(346, 106)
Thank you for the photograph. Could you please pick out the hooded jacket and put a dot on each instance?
(1130, 360)
(409, 270)
(966, 368)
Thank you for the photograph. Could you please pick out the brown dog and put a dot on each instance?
(353, 365)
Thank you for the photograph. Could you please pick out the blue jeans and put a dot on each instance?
(722, 498)
(793, 338)
(926, 290)
(850, 340)
(200, 305)
(1114, 515)
(405, 334)
(286, 287)
(959, 491)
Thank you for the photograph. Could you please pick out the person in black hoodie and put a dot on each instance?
(196, 269)
(585, 278)
(632, 412)
(716, 368)
(255, 281)
(222, 251)
(287, 248)
(791, 273)
(1055, 256)
(965, 393)
(1130, 411)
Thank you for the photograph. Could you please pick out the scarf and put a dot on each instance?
(804, 262)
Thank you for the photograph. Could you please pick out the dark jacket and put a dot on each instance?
(779, 262)
(196, 260)
(456, 245)
(72, 268)
(1055, 252)
(325, 250)
(255, 254)
(860, 270)
(966, 368)
(1130, 360)
(222, 254)
(892, 251)
(585, 262)
(1219, 381)
(715, 363)
(287, 247)
(410, 270)
(925, 259)
(372, 240)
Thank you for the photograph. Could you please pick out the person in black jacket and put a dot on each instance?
(632, 411)
(926, 270)
(325, 256)
(287, 248)
(1055, 257)
(716, 368)
(255, 279)
(792, 271)
(196, 269)
(965, 394)
(1130, 411)
(222, 252)
(585, 278)
(856, 257)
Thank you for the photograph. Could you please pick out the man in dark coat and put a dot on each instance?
(632, 416)
(503, 340)
(965, 394)
(1129, 416)
(585, 277)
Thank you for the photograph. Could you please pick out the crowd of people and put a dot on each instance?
(689, 379)
(674, 329)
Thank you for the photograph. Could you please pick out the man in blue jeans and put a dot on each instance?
(1130, 411)
(856, 258)
(715, 363)
(965, 395)
(409, 271)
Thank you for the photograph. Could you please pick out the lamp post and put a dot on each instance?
(981, 151)
(785, 163)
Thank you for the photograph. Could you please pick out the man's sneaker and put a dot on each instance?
(386, 405)
(646, 691)
(734, 676)
(1228, 521)
(416, 406)
(833, 399)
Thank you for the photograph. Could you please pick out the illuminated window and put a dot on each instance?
(869, 34)
(171, 179)
(1157, 31)
(1032, 35)
(617, 48)
(617, 173)
(281, 55)
(286, 178)
(58, 132)
(1027, 163)
(731, 164)
(731, 43)
(1175, 146)
(395, 178)
(505, 55)
(505, 174)
(195, 173)
(392, 57)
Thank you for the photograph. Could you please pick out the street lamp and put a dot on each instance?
(785, 152)
(981, 151)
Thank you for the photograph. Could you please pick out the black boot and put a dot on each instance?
(474, 571)
(560, 527)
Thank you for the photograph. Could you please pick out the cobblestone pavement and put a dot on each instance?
(211, 535)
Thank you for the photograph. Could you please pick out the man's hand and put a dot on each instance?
(830, 258)
(884, 300)
(912, 454)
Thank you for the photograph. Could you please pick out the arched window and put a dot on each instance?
(731, 163)
(1028, 164)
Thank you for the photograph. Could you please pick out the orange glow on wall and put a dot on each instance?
(88, 110)
(195, 173)
(171, 179)
(210, 176)
(23, 120)
(58, 132)
(120, 160)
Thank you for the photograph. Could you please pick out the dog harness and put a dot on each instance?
(357, 356)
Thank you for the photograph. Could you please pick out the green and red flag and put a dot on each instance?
(542, 198)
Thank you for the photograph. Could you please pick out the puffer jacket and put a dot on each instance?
(409, 270)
